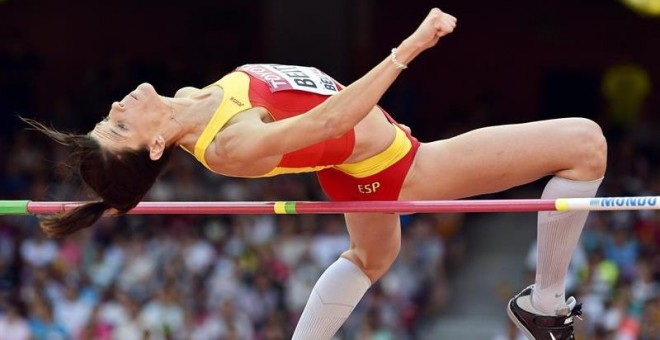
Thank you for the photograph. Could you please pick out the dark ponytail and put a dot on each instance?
(120, 178)
(60, 225)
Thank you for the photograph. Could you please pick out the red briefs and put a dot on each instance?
(382, 186)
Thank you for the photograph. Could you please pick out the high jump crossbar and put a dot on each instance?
(26, 207)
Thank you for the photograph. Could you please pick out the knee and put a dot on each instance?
(591, 146)
(374, 262)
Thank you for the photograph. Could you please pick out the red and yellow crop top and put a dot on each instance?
(285, 91)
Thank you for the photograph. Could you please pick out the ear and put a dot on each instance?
(156, 148)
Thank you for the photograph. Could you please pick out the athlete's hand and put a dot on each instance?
(436, 25)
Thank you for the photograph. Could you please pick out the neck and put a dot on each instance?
(175, 129)
(188, 117)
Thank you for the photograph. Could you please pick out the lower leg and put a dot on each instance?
(332, 300)
(558, 234)
(375, 243)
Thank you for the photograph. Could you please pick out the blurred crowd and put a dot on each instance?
(248, 276)
(195, 277)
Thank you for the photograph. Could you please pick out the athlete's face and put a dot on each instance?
(132, 122)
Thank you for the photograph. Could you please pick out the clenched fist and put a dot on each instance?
(436, 25)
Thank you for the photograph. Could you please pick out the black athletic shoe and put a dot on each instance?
(542, 327)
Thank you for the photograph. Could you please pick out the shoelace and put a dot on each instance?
(576, 311)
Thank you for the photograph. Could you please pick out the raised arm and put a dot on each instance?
(342, 111)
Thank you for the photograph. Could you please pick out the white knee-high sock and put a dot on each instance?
(332, 300)
(558, 234)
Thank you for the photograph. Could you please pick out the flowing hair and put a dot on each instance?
(120, 178)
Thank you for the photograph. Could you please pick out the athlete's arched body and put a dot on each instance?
(263, 120)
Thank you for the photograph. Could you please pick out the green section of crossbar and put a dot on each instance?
(14, 207)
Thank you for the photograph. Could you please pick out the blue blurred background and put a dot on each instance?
(248, 277)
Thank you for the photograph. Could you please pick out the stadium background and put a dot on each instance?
(197, 277)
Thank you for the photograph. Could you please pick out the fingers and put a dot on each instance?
(450, 20)
(437, 12)
(436, 25)
(450, 17)
(446, 26)
(444, 23)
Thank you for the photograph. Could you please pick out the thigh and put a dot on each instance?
(495, 158)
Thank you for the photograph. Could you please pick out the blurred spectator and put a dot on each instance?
(259, 299)
(234, 322)
(73, 312)
(621, 247)
(137, 274)
(650, 320)
(163, 316)
(104, 264)
(131, 327)
(331, 242)
(299, 284)
(38, 251)
(373, 327)
(198, 253)
(644, 287)
(600, 275)
(115, 309)
(42, 323)
(96, 328)
(13, 325)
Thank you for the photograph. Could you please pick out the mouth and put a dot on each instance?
(133, 95)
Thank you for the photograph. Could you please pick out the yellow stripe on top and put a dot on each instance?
(283, 170)
(377, 163)
(235, 99)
